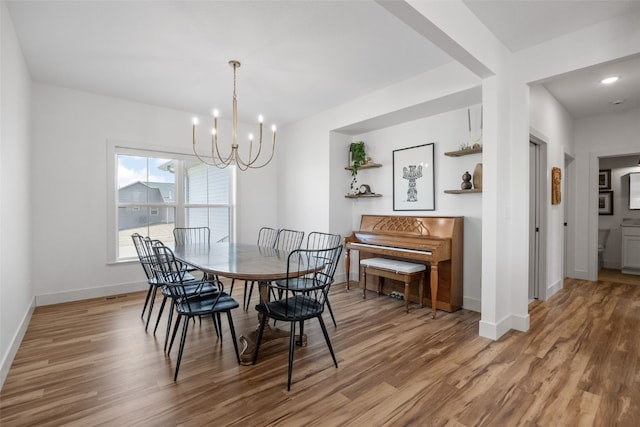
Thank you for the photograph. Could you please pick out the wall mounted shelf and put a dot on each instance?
(365, 166)
(459, 153)
(473, 190)
(362, 196)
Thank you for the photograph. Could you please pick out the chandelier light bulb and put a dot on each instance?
(273, 128)
(195, 121)
(213, 131)
(260, 119)
(250, 137)
(216, 113)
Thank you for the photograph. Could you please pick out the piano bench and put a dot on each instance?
(403, 271)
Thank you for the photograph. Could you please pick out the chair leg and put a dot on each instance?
(247, 296)
(331, 313)
(233, 282)
(263, 322)
(326, 337)
(164, 301)
(292, 346)
(217, 324)
(185, 327)
(175, 330)
(233, 335)
(153, 299)
(146, 301)
(169, 320)
(301, 332)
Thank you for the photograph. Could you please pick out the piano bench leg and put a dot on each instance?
(407, 287)
(363, 281)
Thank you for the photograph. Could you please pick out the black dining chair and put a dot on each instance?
(303, 297)
(192, 301)
(203, 285)
(145, 257)
(191, 235)
(289, 240)
(320, 240)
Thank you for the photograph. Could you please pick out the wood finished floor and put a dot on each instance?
(91, 363)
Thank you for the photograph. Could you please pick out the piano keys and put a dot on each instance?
(436, 242)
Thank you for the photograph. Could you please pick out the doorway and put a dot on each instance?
(537, 233)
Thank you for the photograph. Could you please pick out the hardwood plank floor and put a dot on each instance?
(90, 362)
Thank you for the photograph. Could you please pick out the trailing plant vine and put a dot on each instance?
(358, 158)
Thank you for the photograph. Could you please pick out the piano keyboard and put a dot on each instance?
(391, 248)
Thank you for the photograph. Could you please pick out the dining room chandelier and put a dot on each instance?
(234, 156)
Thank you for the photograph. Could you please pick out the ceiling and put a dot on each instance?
(298, 57)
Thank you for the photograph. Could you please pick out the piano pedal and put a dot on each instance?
(396, 295)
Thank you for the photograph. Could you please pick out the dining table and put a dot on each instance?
(243, 262)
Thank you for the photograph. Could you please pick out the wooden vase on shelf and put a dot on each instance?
(466, 181)
(477, 177)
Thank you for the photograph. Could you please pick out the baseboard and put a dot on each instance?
(579, 274)
(496, 330)
(7, 359)
(473, 304)
(553, 289)
(88, 293)
(520, 323)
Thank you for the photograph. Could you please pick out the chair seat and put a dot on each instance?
(298, 283)
(299, 307)
(203, 288)
(205, 304)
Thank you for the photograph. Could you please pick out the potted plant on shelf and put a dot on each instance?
(358, 158)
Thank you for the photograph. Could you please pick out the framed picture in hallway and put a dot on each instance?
(605, 203)
(604, 179)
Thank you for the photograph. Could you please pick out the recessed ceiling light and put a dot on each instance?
(609, 80)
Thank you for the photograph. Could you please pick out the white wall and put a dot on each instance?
(448, 131)
(313, 185)
(620, 167)
(551, 122)
(315, 156)
(16, 286)
(596, 137)
(70, 134)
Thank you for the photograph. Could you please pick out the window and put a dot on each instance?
(159, 191)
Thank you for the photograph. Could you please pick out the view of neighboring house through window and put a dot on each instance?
(156, 194)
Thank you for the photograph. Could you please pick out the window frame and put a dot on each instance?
(115, 148)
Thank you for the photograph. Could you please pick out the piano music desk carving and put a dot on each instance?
(436, 242)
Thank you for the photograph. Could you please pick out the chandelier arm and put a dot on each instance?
(225, 161)
(194, 149)
(273, 149)
(240, 161)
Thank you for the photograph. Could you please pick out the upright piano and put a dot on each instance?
(436, 242)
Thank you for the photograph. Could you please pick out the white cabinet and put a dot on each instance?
(630, 249)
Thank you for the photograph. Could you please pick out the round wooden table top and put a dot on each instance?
(237, 260)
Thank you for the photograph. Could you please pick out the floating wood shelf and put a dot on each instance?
(365, 166)
(358, 196)
(473, 190)
(463, 152)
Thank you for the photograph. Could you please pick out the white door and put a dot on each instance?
(534, 221)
